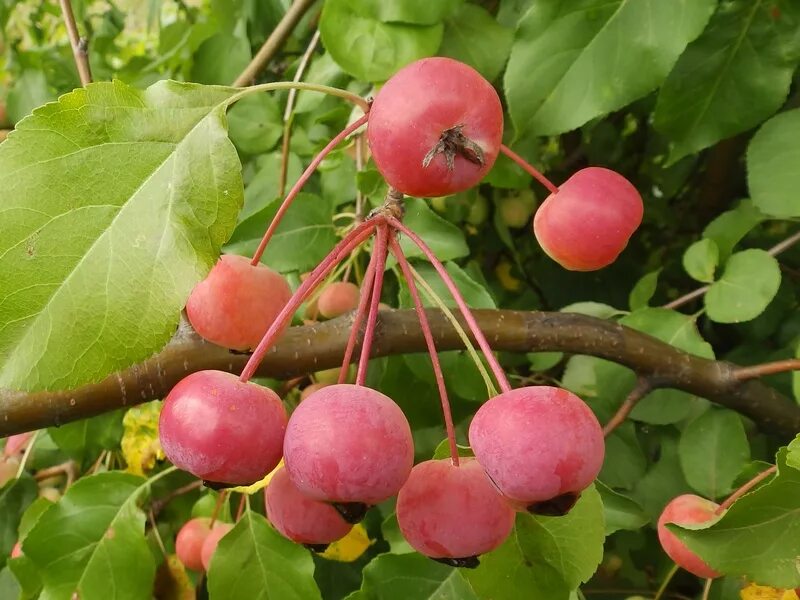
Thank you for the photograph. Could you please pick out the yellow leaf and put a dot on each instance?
(172, 582)
(140, 444)
(507, 280)
(350, 547)
(764, 592)
(258, 485)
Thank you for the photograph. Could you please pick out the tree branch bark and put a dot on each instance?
(321, 346)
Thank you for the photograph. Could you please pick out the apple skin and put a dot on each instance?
(219, 531)
(189, 542)
(686, 510)
(588, 222)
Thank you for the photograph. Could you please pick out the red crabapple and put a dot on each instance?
(337, 299)
(685, 510)
(222, 430)
(16, 551)
(540, 445)
(435, 128)
(452, 514)
(236, 304)
(189, 542)
(15, 444)
(211, 542)
(588, 222)
(299, 518)
(349, 445)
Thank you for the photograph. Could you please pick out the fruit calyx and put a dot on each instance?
(467, 562)
(454, 143)
(555, 507)
(352, 512)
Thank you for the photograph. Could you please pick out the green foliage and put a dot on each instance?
(748, 284)
(771, 165)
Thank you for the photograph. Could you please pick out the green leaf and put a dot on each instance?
(471, 35)
(593, 309)
(542, 361)
(30, 90)
(116, 203)
(263, 188)
(83, 440)
(772, 159)
(220, 59)
(416, 12)
(28, 578)
(92, 542)
(643, 291)
(475, 295)
(713, 449)
(730, 227)
(368, 48)
(15, 497)
(796, 377)
(759, 536)
(574, 61)
(255, 123)
(9, 588)
(443, 450)
(304, 237)
(620, 511)
(625, 462)
(731, 78)
(403, 576)
(254, 561)
(749, 283)
(701, 259)
(445, 239)
(663, 481)
(545, 556)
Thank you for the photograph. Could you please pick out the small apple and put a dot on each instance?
(686, 510)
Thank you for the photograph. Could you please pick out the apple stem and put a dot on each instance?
(494, 365)
(745, 488)
(301, 182)
(223, 494)
(528, 168)
(342, 249)
(397, 251)
(379, 252)
(358, 318)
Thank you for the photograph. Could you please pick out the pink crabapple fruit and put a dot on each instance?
(588, 222)
(237, 302)
(222, 430)
(452, 513)
(435, 128)
(8, 469)
(348, 445)
(189, 542)
(16, 551)
(337, 299)
(218, 531)
(299, 518)
(15, 444)
(540, 445)
(685, 510)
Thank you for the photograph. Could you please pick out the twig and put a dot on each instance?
(707, 589)
(745, 488)
(152, 518)
(770, 368)
(665, 584)
(158, 505)
(275, 40)
(643, 387)
(777, 249)
(68, 468)
(80, 46)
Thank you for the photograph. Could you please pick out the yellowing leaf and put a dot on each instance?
(258, 485)
(350, 547)
(765, 592)
(140, 444)
(172, 582)
(507, 280)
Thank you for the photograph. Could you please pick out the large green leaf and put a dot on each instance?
(303, 238)
(115, 203)
(730, 227)
(548, 557)
(731, 78)
(713, 450)
(574, 61)
(369, 48)
(92, 543)
(749, 283)
(254, 561)
(471, 35)
(402, 576)
(620, 511)
(663, 481)
(15, 497)
(772, 159)
(759, 536)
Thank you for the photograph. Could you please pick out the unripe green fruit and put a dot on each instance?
(516, 209)
(50, 493)
(439, 204)
(478, 210)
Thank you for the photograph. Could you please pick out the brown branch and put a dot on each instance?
(80, 46)
(321, 346)
(641, 389)
(770, 368)
(275, 40)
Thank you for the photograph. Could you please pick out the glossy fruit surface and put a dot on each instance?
(337, 299)
(588, 223)
(8, 469)
(537, 443)
(237, 302)
(189, 542)
(300, 518)
(348, 443)
(430, 101)
(446, 511)
(222, 430)
(685, 510)
(211, 542)
(15, 444)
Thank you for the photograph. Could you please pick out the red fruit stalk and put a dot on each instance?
(358, 318)
(380, 251)
(745, 488)
(351, 241)
(529, 169)
(301, 182)
(494, 365)
(397, 251)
